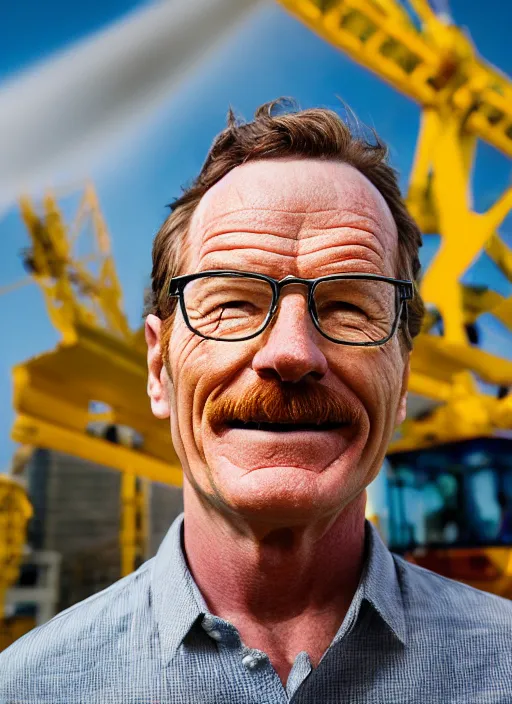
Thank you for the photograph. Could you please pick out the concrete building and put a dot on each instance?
(77, 515)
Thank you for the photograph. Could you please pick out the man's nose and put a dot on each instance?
(290, 350)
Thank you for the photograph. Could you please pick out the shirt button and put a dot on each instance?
(249, 661)
(216, 635)
(208, 622)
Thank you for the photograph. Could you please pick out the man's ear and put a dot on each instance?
(157, 374)
(401, 411)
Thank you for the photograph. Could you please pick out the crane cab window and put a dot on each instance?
(457, 495)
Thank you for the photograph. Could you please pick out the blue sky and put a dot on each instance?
(270, 55)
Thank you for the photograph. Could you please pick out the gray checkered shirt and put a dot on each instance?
(410, 636)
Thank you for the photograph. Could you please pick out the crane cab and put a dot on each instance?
(450, 510)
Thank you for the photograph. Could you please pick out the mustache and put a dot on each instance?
(273, 401)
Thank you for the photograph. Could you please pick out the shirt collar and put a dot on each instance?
(178, 603)
(380, 584)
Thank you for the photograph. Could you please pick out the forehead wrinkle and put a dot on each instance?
(233, 241)
(305, 229)
(279, 266)
(217, 217)
(348, 248)
(233, 221)
(366, 221)
(202, 211)
(232, 227)
(338, 260)
(354, 245)
(321, 240)
(353, 258)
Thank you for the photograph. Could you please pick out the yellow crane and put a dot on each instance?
(96, 375)
(15, 512)
(100, 362)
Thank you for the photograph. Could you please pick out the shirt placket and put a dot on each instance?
(254, 679)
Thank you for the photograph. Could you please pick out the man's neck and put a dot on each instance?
(286, 589)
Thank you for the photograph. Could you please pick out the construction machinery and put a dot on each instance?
(88, 396)
(15, 512)
(91, 388)
(450, 510)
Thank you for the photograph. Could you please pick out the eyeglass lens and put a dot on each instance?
(354, 310)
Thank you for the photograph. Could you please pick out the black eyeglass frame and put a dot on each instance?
(404, 290)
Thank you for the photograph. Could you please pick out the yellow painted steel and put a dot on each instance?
(74, 293)
(464, 233)
(135, 524)
(435, 66)
(99, 363)
(55, 390)
(15, 511)
(465, 414)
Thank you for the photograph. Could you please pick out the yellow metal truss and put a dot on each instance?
(78, 290)
(434, 66)
(96, 377)
(15, 511)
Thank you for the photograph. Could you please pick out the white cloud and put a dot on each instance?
(64, 113)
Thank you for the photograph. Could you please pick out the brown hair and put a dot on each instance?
(279, 130)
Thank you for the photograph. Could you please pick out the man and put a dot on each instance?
(279, 337)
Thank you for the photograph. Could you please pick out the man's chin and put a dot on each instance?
(283, 494)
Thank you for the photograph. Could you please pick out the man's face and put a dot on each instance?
(307, 218)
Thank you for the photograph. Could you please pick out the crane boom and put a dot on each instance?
(78, 290)
(435, 66)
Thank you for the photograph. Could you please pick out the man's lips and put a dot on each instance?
(301, 444)
(284, 427)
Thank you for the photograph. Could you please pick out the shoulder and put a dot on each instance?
(449, 609)
(35, 666)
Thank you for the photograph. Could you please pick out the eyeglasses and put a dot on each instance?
(349, 309)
